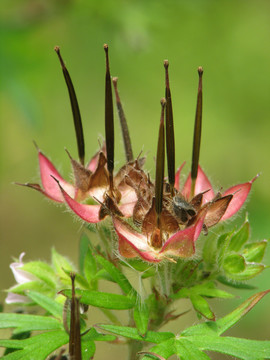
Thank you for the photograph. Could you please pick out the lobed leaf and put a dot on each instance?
(223, 324)
(164, 349)
(31, 349)
(132, 333)
(187, 350)
(141, 317)
(25, 322)
(229, 320)
(241, 348)
(102, 299)
(47, 303)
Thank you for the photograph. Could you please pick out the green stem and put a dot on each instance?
(164, 281)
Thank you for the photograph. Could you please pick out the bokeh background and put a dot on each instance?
(230, 39)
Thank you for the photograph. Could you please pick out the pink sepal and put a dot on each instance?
(133, 244)
(177, 176)
(202, 184)
(88, 213)
(51, 189)
(240, 193)
(181, 244)
(129, 250)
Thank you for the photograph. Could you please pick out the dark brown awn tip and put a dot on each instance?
(170, 142)
(123, 123)
(160, 163)
(57, 50)
(197, 135)
(75, 108)
(109, 122)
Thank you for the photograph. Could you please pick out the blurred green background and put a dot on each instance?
(230, 39)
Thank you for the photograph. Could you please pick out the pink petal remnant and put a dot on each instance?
(240, 193)
(20, 275)
(16, 299)
(51, 189)
(89, 213)
(202, 184)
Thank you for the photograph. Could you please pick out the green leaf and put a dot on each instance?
(88, 345)
(235, 284)
(47, 303)
(18, 336)
(223, 324)
(132, 333)
(164, 349)
(229, 320)
(239, 238)
(36, 285)
(102, 299)
(42, 271)
(83, 248)
(31, 347)
(254, 252)
(206, 289)
(240, 348)
(141, 317)
(250, 272)
(234, 264)
(186, 350)
(202, 306)
(25, 322)
(117, 276)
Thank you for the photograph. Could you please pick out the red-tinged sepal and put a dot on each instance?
(181, 244)
(240, 193)
(134, 244)
(50, 187)
(88, 213)
(202, 184)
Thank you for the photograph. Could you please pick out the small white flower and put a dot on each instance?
(21, 277)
